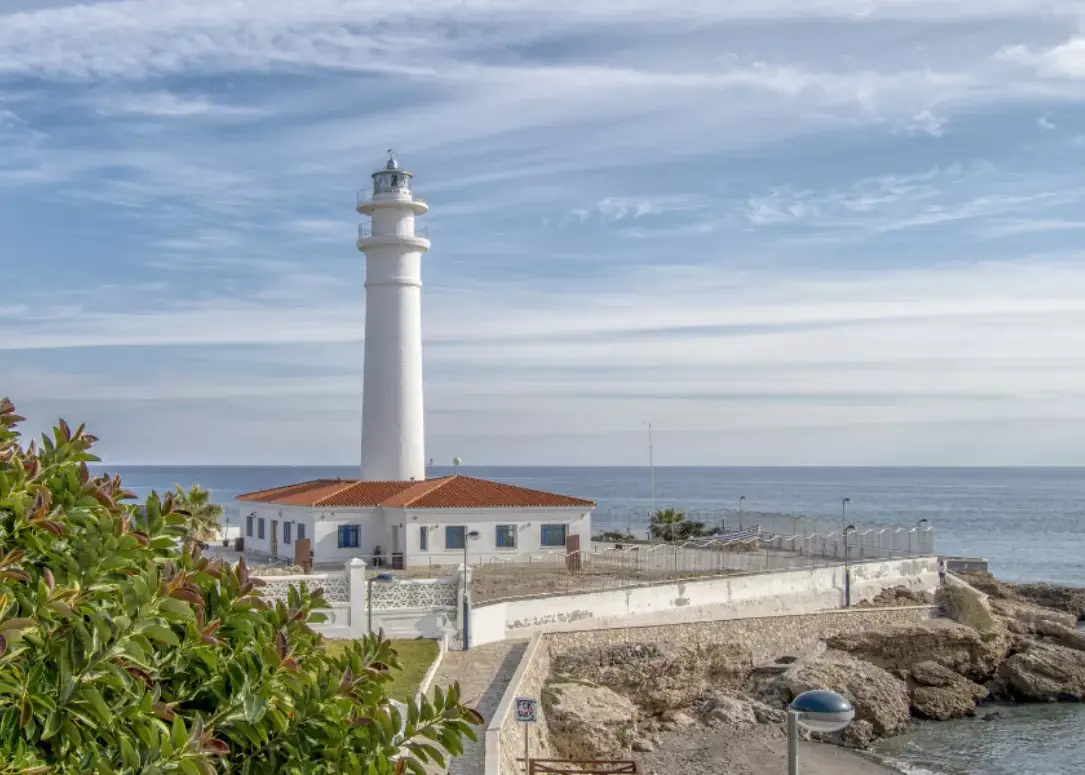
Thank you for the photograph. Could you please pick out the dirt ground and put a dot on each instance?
(529, 580)
(711, 752)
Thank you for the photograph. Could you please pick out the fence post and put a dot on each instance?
(359, 595)
(926, 539)
(463, 602)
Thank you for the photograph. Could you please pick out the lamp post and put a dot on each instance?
(844, 515)
(847, 567)
(818, 710)
(468, 537)
(920, 526)
(741, 500)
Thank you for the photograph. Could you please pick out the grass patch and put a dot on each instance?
(415, 657)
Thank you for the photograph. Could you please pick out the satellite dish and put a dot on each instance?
(456, 461)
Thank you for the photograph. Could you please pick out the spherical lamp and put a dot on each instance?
(821, 710)
(818, 710)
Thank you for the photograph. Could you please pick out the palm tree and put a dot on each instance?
(667, 524)
(203, 521)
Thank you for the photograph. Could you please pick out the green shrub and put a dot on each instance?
(123, 651)
(615, 536)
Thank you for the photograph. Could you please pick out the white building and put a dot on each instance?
(393, 510)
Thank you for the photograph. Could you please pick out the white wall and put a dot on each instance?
(488, 623)
(372, 532)
(375, 529)
(270, 512)
(321, 528)
(759, 594)
(485, 521)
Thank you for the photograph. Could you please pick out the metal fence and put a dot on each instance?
(561, 573)
(640, 563)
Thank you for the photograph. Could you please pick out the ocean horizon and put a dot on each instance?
(1028, 521)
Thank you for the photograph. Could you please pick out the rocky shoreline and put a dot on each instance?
(995, 643)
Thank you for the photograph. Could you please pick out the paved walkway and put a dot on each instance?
(484, 673)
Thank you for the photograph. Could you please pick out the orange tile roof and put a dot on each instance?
(447, 492)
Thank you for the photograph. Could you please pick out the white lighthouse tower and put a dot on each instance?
(393, 440)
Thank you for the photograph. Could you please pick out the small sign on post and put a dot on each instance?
(527, 712)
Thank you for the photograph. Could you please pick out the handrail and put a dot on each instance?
(365, 196)
(365, 231)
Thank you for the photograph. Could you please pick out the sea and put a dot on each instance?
(1029, 523)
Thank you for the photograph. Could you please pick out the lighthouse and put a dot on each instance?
(404, 518)
(393, 438)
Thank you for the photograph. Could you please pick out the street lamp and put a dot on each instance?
(847, 566)
(468, 537)
(741, 499)
(844, 515)
(473, 535)
(818, 710)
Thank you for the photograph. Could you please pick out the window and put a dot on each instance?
(552, 535)
(248, 525)
(260, 528)
(506, 537)
(455, 537)
(423, 539)
(286, 532)
(348, 536)
(301, 531)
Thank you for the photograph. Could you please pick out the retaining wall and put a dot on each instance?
(768, 637)
(800, 591)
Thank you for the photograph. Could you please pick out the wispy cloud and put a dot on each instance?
(842, 220)
(167, 104)
(956, 194)
(925, 122)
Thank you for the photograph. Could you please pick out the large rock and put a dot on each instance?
(1030, 614)
(941, 694)
(962, 649)
(1069, 600)
(1070, 637)
(1045, 672)
(895, 597)
(878, 697)
(588, 721)
(719, 707)
(658, 678)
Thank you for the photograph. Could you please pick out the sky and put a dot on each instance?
(785, 232)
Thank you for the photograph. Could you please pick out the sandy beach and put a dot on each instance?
(750, 752)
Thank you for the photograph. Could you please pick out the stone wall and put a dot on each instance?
(504, 737)
(769, 637)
